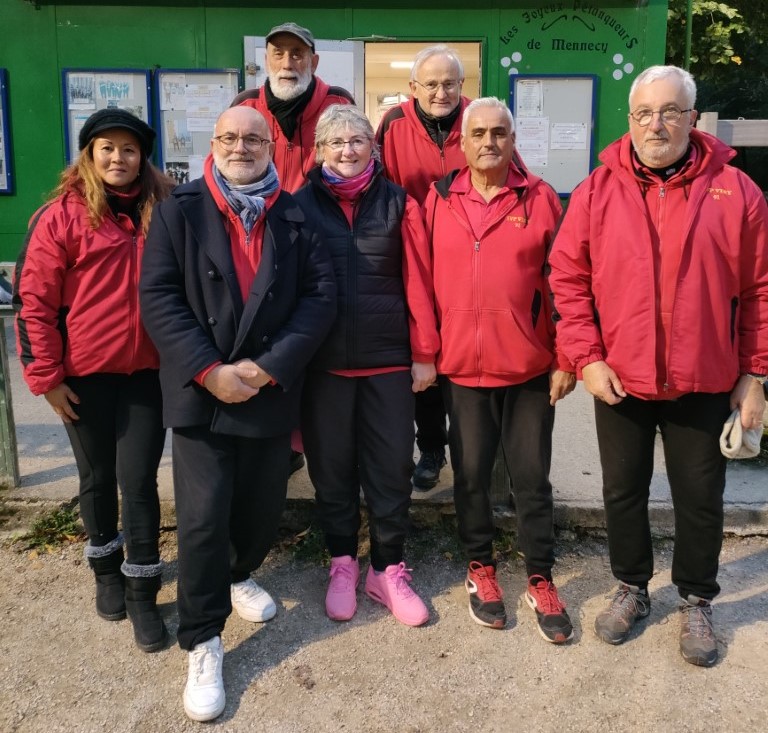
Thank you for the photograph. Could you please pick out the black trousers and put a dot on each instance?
(431, 428)
(118, 441)
(358, 432)
(690, 429)
(521, 417)
(230, 493)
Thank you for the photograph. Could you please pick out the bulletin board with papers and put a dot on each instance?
(554, 126)
(188, 102)
(87, 90)
(6, 174)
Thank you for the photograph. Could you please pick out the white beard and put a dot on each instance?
(289, 89)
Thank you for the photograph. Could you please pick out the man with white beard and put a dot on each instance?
(292, 100)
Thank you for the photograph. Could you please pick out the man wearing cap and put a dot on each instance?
(237, 292)
(291, 100)
(419, 142)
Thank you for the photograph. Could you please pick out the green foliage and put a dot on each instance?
(715, 29)
(54, 528)
(307, 546)
(729, 59)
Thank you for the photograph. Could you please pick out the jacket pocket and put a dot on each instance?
(496, 344)
(535, 307)
(734, 310)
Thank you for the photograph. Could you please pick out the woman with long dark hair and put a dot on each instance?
(83, 347)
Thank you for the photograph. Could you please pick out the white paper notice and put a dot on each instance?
(173, 91)
(529, 98)
(569, 136)
(205, 102)
(532, 140)
(195, 166)
(81, 91)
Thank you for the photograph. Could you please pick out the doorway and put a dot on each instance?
(388, 71)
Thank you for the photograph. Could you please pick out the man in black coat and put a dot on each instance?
(237, 292)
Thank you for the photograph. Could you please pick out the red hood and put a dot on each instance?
(711, 154)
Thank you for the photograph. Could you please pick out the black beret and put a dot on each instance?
(108, 119)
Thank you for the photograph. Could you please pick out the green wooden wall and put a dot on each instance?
(39, 39)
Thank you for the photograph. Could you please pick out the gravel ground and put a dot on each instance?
(65, 669)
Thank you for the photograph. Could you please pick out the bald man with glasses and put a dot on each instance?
(237, 293)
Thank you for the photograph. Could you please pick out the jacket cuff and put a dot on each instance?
(201, 375)
(424, 358)
(589, 359)
(753, 366)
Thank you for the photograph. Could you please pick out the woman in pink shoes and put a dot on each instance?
(357, 414)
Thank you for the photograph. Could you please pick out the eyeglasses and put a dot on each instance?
(251, 143)
(449, 87)
(668, 115)
(356, 143)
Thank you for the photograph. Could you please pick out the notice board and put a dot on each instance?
(188, 102)
(554, 124)
(6, 176)
(87, 90)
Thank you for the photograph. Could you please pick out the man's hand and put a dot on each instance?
(602, 382)
(749, 398)
(61, 398)
(226, 382)
(423, 375)
(560, 384)
(252, 374)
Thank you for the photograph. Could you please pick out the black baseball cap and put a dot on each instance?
(303, 34)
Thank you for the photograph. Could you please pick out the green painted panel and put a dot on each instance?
(38, 40)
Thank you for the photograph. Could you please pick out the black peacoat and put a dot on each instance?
(193, 310)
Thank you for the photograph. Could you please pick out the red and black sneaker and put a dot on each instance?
(553, 621)
(486, 606)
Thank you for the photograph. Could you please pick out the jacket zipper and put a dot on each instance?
(476, 298)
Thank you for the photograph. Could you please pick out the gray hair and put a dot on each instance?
(492, 103)
(343, 116)
(439, 50)
(657, 73)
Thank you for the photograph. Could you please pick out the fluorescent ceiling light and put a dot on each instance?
(401, 65)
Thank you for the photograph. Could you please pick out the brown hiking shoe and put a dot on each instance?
(698, 643)
(628, 604)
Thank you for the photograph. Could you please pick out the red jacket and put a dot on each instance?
(295, 158)
(493, 307)
(611, 276)
(409, 155)
(77, 297)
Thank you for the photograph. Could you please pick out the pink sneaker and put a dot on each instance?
(391, 589)
(341, 598)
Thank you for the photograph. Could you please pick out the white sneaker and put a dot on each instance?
(252, 602)
(204, 694)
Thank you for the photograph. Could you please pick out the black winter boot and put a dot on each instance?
(141, 602)
(110, 584)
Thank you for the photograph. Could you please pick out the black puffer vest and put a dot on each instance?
(371, 327)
